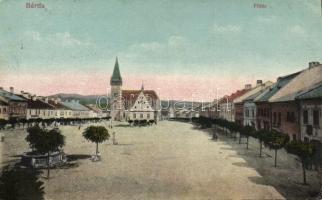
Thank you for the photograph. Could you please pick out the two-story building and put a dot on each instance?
(17, 106)
(284, 107)
(263, 114)
(310, 103)
(78, 110)
(4, 110)
(37, 108)
(227, 107)
(250, 108)
(239, 101)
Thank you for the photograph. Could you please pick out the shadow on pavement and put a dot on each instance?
(281, 178)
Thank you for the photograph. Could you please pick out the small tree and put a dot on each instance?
(247, 131)
(13, 121)
(260, 136)
(3, 123)
(23, 121)
(45, 141)
(304, 151)
(276, 140)
(96, 134)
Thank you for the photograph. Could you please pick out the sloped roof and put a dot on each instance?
(37, 104)
(256, 95)
(306, 79)
(57, 105)
(133, 94)
(75, 105)
(252, 91)
(312, 93)
(116, 78)
(280, 83)
(2, 103)
(94, 107)
(233, 96)
(10, 96)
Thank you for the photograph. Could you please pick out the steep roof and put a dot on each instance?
(233, 96)
(37, 104)
(10, 96)
(116, 78)
(57, 105)
(312, 93)
(256, 95)
(306, 79)
(252, 91)
(280, 83)
(2, 103)
(75, 105)
(133, 94)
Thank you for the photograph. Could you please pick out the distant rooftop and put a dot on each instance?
(75, 105)
(10, 96)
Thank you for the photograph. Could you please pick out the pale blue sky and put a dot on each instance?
(206, 37)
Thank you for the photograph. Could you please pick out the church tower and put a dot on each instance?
(116, 93)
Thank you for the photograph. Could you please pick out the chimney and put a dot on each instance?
(313, 64)
(34, 97)
(46, 99)
(12, 90)
(248, 86)
(1, 88)
(259, 82)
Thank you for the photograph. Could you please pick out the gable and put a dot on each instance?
(141, 103)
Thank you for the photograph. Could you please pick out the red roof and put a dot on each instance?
(233, 96)
(133, 94)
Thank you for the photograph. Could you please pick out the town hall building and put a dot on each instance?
(132, 105)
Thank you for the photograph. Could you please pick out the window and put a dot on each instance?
(316, 117)
(0, 110)
(253, 113)
(274, 118)
(4, 110)
(141, 116)
(290, 117)
(134, 115)
(279, 119)
(247, 113)
(148, 116)
(305, 117)
(267, 112)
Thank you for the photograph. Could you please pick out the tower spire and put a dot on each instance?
(116, 78)
(142, 86)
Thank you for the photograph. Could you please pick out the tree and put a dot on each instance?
(23, 121)
(304, 151)
(13, 121)
(45, 141)
(260, 136)
(96, 134)
(20, 183)
(3, 123)
(275, 140)
(247, 131)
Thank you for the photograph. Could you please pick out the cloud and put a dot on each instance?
(218, 29)
(64, 39)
